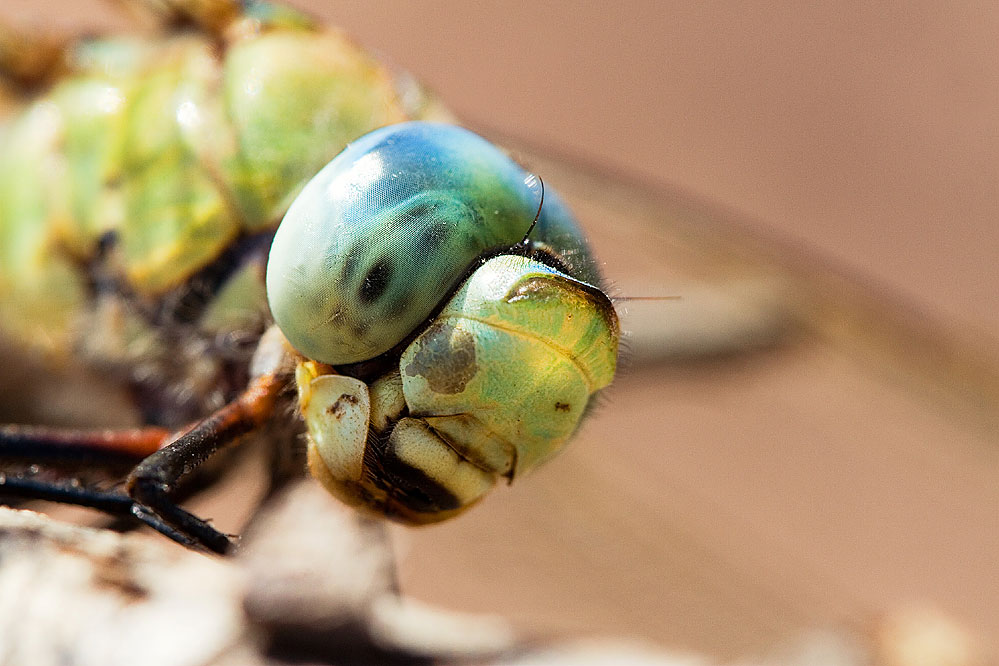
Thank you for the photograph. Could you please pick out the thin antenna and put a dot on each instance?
(647, 298)
(537, 215)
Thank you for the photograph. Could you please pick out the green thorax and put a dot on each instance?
(176, 147)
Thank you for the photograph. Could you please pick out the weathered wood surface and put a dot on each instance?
(311, 582)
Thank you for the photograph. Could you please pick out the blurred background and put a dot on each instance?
(817, 182)
(722, 505)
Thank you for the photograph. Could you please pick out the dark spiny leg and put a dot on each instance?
(110, 502)
(154, 482)
(72, 466)
(63, 457)
(67, 466)
(116, 504)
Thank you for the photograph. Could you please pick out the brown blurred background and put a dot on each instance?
(868, 130)
(722, 506)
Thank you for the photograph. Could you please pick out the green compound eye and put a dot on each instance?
(496, 372)
(384, 232)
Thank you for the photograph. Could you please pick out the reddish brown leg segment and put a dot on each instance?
(62, 443)
(153, 482)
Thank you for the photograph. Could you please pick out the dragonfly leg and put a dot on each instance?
(64, 465)
(66, 454)
(155, 481)
(43, 443)
(110, 502)
(114, 503)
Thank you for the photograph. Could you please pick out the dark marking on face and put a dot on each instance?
(445, 358)
(417, 491)
(338, 408)
(376, 281)
(407, 485)
(562, 407)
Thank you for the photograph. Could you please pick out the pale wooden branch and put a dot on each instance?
(312, 582)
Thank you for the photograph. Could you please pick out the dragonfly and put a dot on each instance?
(739, 292)
(440, 335)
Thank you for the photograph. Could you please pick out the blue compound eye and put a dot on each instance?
(381, 236)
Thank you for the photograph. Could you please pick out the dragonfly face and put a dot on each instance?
(485, 387)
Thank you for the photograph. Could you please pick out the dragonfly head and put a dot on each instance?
(409, 247)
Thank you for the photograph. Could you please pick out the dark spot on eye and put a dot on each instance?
(445, 357)
(360, 330)
(401, 302)
(349, 267)
(562, 407)
(428, 241)
(420, 209)
(376, 281)
(338, 408)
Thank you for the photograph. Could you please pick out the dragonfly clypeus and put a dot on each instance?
(685, 463)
